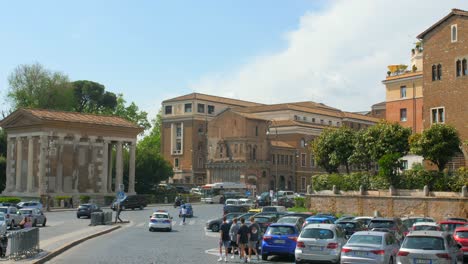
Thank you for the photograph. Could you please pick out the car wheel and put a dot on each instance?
(151, 229)
(215, 228)
(78, 217)
(264, 256)
(391, 260)
(44, 224)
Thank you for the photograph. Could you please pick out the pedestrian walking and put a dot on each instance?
(243, 239)
(117, 213)
(254, 235)
(183, 212)
(224, 240)
(233, 234)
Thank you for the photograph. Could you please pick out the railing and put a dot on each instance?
(101, 218)
(24, 243)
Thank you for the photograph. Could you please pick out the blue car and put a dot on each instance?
(189, 210)
(326, 215)
(279, 239)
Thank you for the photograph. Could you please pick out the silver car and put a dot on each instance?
(320, 242)
(36, 215)
(429, 247)
(3, 224)
(370, 247)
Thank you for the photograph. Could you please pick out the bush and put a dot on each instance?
(84, 198)
(345, 182)
(300, 202)
(60, 198)
(8, 199)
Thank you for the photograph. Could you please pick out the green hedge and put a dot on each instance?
(7, 199)
(59, 198)
(84, 199)
(300, 202)
(410, 179)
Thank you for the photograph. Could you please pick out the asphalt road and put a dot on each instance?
(133, 243)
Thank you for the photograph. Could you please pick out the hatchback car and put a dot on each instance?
(11, 215)
(215, 224)
(161, 219)
(410, 221)
(319, 242)
(461, 236)
(450, 226)
(36, 215)
(370, 247)
(429, 247)
(393, 224)
(350, 227)
(318, 220)
(425, 226)
(30, 204)
(86, 210)
(189, 209)
(279, 239)
(297, 220)
(264, 221)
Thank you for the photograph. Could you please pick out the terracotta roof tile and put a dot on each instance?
(362, 117)
(212, 98)
(80, 118)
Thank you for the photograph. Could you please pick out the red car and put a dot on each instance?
(461, 236)
(450, 226)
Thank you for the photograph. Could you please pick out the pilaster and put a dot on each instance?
(30, 179)
(19, 158)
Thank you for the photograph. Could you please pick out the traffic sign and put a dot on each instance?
(247, 193)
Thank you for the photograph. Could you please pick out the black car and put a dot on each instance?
(215, 224)
(264, 199)
(286, 202)
(235, 209)
(131, 202)
(87, 210)
(350, 227)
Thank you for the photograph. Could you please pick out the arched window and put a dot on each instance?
(302, 143)
(454, 33)
(254, 153)
(439, 72)
(464, 68)
(458, 68)
(434, 73)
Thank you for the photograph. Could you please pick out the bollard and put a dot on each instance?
(335, 189)
(464, 192)
(361, 190)
(426, 190)
(392, 190)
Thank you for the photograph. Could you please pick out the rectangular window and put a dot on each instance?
(313, 119)
(200, 163)
(211, 109)
(438, 115)
(403, 114)
(178, 130)
(304, 118)
(312, 161)
(454, 33)
(281, 159)
(330, 122)
(201, 108)
(404, 164)
(303, 159)
(168, 110)
(176, 163)
(403, 92)
(303, 183)
(337, 124)
(188, 108)
(256, 131)
(321, 121)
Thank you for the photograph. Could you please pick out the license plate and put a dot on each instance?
(422, 261)
(279, 241)
(316, 248)
(360, 254)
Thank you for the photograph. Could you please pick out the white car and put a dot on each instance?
(232, 202)
(246, 201)
(425, 226)
(3, 224)
(160, 219)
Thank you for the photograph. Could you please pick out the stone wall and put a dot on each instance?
(387, 206)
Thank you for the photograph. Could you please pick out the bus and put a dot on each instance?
(219, 191)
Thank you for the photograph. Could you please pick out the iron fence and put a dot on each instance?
(24, 243)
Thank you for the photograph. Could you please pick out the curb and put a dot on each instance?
(72, 244)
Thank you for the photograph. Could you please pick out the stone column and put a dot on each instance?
(105, 166)
(118, 166)
(30, 181)
(131, 173)
(9, 178)
(76, 164)
(42, 164)
(19, 157)
(111, 165)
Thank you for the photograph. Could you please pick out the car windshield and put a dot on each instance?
(290, 220)
(462, 234)
(84, 206)
(316, 221)
(346, 225)
(269, 209)
(382, 224)
(25, 211)
(425, 227)
(365, 239)
(281, 230)
(449, 227)
(424, 243)
(262, 219)
(160, 216)
(317, 233)
(3, 210)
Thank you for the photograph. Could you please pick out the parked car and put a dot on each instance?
(458, 219)
(231, 202)
(461, 237)
(189, 209)
(289, 194)
(429, 247)
(11, 215)
(246, 202)
(3, 224)
(450, 226)
(318, 220)
(264, 221)
(393, 224)
(296, 220)
(30, 204)
(36, 216)
(410, 221)
(279, 239)
(319, 242)
(370, 247)
(422, 226)
(182, 189)
(326, 215)
(286, 202)
(87, 209)
(7, 204)
(350, 227)
(196, 190)
(214, 224)
(365, 220)
(235, 209)
(274, 208)
(345, 218)
(278, 215)
(264, 199)
(303, 215)
(131, 202)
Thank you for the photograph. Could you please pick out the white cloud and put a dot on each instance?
(337, 56)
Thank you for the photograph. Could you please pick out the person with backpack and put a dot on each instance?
(233, 233)
(224, 240)
(243, 239)
(254, 236)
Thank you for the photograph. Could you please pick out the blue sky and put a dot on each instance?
(254, 50)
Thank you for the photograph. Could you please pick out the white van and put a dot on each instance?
(232, 202)
(289, 194)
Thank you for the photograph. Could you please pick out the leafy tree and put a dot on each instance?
(438, 144)
(362, 155)
(389, 164)
(131, 112)
(91, 97)
(34, 86)
(333, 148)
(153, 140)
(150, 169)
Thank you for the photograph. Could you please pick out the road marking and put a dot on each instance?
(212, 251)
(141, 224)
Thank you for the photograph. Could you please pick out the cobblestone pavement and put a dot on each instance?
(189, 243)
